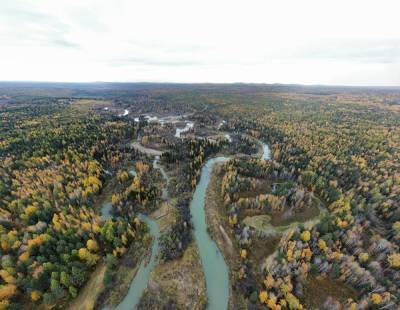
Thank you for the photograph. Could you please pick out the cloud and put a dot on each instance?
(177, 40)
(153, 62)
(359, 51)
(24, 25)
(344, 51)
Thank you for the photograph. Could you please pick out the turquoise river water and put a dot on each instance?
(215, 269)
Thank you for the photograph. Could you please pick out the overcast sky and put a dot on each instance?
(309, 42)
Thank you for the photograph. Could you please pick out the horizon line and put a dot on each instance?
(201, 83)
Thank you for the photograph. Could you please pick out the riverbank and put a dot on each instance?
(89, 294)
(178, 282)
(264, 244)
(217, 220)
(121, 284)
(98, 294)
(215, 269)
(122, 277)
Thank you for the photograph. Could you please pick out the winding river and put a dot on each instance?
(215, 269)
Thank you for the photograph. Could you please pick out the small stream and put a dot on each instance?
(139, 282)
(156, 165)
(266, 151)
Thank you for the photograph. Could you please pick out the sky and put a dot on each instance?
(335, 42)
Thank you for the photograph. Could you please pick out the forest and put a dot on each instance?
(313, 225)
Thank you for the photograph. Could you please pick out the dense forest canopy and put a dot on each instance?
(325, 208)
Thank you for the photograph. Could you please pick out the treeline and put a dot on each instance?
(188, 155)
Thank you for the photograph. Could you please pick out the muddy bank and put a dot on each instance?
(178, 283)
(91, 291)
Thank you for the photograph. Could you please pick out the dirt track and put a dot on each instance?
(141, 148)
